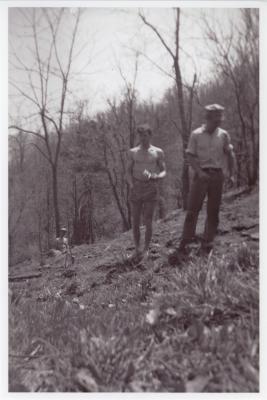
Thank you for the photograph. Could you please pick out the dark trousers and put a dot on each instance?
(212, 187)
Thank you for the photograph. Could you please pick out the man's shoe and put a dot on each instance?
(183, 245)
(135, 257)
(177, 257)
(146, 255)
(206, 247)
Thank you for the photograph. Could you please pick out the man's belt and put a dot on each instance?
(211, 169)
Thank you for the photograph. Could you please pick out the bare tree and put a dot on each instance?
(118, 135)
(130, 99)
(184, 102)
(115, 167)
(236, 57)
(18, 148)
(48, 71)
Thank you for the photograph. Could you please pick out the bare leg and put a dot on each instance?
(136, 216)
(149, 208)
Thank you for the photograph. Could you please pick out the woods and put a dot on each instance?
(67, 164)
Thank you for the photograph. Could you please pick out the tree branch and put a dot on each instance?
(157, 33)
(52, 121)
(157, 66)
(41, 151)
(27, 131)
(25, 94)
(54, 35)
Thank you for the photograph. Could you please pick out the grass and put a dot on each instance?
(190, 328)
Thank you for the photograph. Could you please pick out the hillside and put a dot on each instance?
(108, 325)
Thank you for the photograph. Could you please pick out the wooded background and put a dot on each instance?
(68, 167)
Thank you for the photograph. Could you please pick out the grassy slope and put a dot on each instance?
(113, 326)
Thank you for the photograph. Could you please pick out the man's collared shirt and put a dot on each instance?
(209, 148)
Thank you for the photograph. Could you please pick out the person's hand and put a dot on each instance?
(147, 174)
(231, 180)
(154, 176)
(203, 175)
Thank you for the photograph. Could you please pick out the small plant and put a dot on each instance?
(243, 258)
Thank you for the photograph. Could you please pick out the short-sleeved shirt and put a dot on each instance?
(209, 148)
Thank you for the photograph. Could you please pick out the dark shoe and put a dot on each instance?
(177, 257)
(173, 258)
(135, 257)
(183, 245)
(206, 247)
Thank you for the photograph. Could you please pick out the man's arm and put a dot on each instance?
(129, 169)
(231, 159)
(162, 167)
(194, 163)
(191, 153)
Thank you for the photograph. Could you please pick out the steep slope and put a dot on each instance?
(106, 324)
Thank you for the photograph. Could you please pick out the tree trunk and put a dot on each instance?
(185, 123)
(185, 182)
(255, 153)
(129, 211)
(76, 233)
(125, 224)
(55, 198)
(10, 248)
(48, 215)
(90, 216)
(184, 128)
(40, 240)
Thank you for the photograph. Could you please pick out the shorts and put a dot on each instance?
(144, 191)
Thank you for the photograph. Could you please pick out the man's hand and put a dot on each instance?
(231, 180)
(154, 176)
(203, 175)
(147, 174)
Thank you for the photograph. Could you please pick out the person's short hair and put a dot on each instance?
(144, 128)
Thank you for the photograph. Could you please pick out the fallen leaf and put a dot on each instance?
(254, 236)
(83, 336)
(152, 317)
(86, 381)
(196, 330)
(197, 385)
(254, 349)
(35, 350)
(136, 386)
(171, 311)
(250, 371)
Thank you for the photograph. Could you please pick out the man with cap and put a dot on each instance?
(146, 166)
(208, 148)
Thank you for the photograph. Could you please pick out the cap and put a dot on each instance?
(144, 127)
(214, 108)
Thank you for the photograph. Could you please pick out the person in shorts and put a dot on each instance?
(146, 166)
